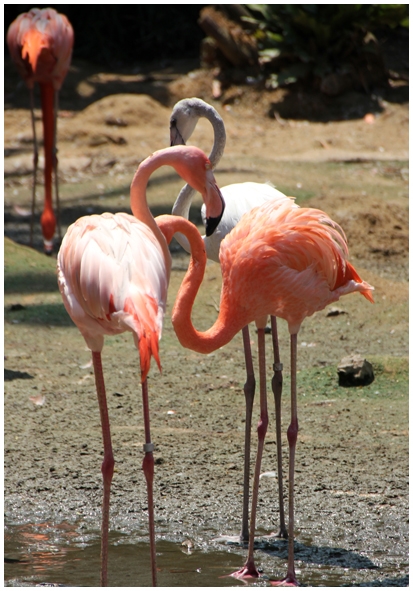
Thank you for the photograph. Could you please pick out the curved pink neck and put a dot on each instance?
(138, 201)
(226, 325)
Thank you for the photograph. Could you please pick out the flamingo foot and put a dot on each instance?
(289, 581)
(248, 571)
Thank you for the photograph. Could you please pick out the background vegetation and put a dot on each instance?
(315, 42)
(119, 34)
(316, 36)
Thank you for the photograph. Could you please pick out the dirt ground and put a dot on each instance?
(352, 454)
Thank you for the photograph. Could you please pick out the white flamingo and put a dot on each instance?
(239, 199)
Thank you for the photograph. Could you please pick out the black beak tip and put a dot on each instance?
(212, 224)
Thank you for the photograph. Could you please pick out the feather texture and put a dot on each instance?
(297, 256)
(113, 277)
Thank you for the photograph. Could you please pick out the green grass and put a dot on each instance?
(391, 379)
(27, 271)
(48, 313)
(30, 280)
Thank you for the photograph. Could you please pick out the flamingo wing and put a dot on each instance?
(113, 277)
(301, 253)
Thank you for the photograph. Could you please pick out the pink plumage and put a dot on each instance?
(279, 260)
(113, 278)
(40, 44)
(297, 256)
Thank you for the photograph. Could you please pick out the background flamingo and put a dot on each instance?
(40, 44)
(239, 199)
(302, 254)
(113, 274)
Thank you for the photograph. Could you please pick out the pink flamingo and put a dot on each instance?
(40, 44)
(113, 274)
(298, 257)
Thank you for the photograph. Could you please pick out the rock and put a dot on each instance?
(354, 371)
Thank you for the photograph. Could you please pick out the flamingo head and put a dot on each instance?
(35, 45)
(183, 120)
(196, 169)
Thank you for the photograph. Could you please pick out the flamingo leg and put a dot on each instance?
(249, 393)
(148, 469)
(277, 384)
(249, 570)
(107, 464)
(55, 163)
(290, 580)
(35, 164)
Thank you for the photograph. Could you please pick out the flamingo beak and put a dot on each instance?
(212, 222)
(175, 136)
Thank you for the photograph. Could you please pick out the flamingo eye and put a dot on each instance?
(207, 165)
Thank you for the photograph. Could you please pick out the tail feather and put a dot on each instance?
(368, 296)
(146, 334)
(148, 346)
(350, 274)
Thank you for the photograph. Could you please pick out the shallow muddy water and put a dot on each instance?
(47, 554)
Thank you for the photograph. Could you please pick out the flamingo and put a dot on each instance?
(113, 274)
(40, 44)
(239, 199)
(299, 257)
